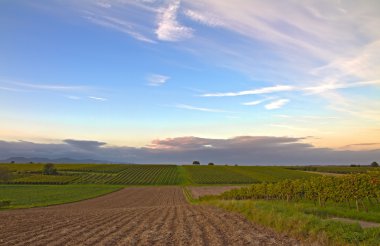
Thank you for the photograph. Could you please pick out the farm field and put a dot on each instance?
(156, 210)
(330, 210)
(25, 196)
(133, 216)
(336, 169)
(123, 174)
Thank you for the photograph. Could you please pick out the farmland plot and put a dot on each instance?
(133, 216)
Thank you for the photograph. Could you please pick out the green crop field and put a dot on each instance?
(216, 175)
(25, 196)
(270, 174)
(336, 169)
(123, 174)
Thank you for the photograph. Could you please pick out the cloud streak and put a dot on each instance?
(210, 110)
(276, 104)
(265, 90)
(102, 99)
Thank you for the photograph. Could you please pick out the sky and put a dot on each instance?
(153, 81)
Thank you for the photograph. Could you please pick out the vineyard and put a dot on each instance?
(123, 174)
(44, 179)
(351, 189)
(135, 175)
(335, 169)
(216, 175)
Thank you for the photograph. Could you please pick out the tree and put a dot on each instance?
(49, 169)
(12, 162)
(196, 163)
(374, 164)
(211, 164)
(5, 174)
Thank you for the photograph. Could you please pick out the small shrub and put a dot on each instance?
(211, 164)
(49, 169)
(5, 203)
(196, 163)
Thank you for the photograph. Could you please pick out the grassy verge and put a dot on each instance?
(291, 218)
(27, 196)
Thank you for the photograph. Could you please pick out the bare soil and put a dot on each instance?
(133, 216)
(198, 191)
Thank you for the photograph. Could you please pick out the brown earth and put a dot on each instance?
(198, 191)
(133, 216)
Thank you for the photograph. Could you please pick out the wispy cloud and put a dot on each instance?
(9, 89)
(339, 85)
(119, 25)
(73, 97)
(98, 98)
(253, 103)
(276, 104)
(16, 85)
(265, 90)
(189, 107)
(157, 79)
(206, 19)
(168, 27)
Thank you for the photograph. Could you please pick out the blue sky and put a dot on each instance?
(129, 72)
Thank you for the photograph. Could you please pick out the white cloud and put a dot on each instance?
(98, 98)
(265, 90)
(339, 85)
(183, 106)
(253, 103)
(157, 79)
(276, 104)
(204, 19)
(168, 28)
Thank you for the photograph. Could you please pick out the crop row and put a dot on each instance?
(346, 189)
(44, 179)
(147, 174)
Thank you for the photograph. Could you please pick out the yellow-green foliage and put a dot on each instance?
(355, 187)
(44, 179)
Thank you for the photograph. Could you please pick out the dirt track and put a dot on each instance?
(133, 216)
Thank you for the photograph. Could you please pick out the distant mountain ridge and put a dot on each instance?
(57, 160)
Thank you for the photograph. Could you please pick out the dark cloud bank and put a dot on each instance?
(245, 150)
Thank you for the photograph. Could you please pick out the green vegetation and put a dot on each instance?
(5, 174)
(148, 175)
(337, 169)
(270, 174)
(291, 218)
(302, 208)
(357, 188)
(216, 175)
(43, 179)
(124, 174)
(49, 169)
(26, 196)
(241, 174)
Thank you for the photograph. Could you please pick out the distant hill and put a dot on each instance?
(47, 160)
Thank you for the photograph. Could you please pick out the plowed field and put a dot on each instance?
(133, 216)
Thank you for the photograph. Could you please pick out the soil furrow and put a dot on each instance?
(133, 216)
